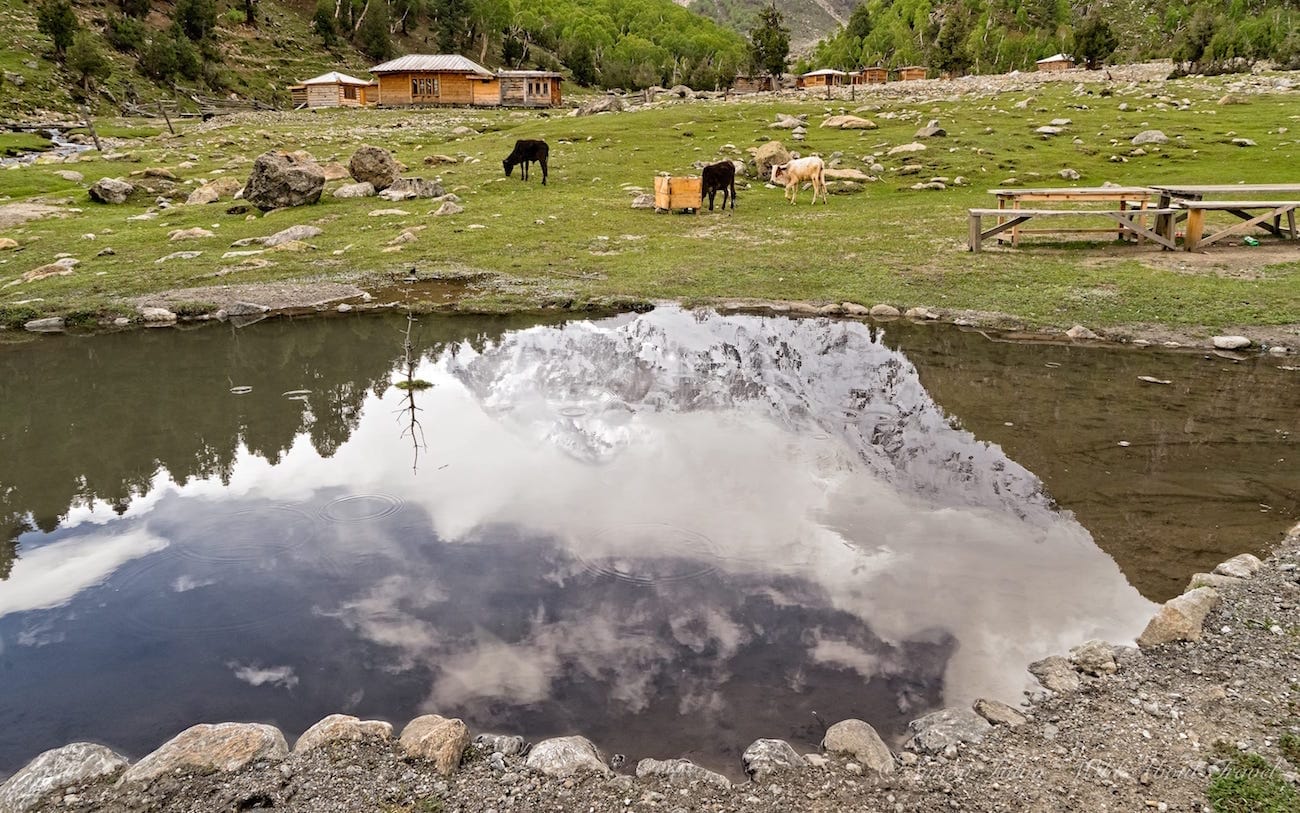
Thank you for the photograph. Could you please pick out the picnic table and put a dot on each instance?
(1125, 198)
(1254, 204)
(1130, 206)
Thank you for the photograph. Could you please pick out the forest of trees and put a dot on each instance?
(995, 36)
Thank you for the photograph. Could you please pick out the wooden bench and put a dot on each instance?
(1119, 197)
(1128, 220)
(1270, 220)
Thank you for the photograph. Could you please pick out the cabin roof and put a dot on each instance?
(1055, 58)
(826, 72)
(335, 78)
(437, 63)
(912, 68)
(529, 74)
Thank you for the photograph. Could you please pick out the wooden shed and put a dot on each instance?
(436, 79)
(912, 72)
(826, 77)
(869, 76)
(1056, 62)
(334, 89)
(530, 88)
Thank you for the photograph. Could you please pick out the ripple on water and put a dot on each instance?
(650, 553)
(573, 411)
(361, 507)
(250, 535)
(170, 594)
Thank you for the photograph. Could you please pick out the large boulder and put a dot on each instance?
(935, 732)
(364, 189)
(681, 772)
(858, 739)
(604, 104)
(1094, 658)
(565, 756)
(999, 713)
(289, 235)
(110, 190)
(1180, 618)
(408, 188)
(931, 130)
(214, 191)
(438, 739)
(848, 123)
(1242, 566)
(205, 748)
(507, 744)
(767, 757)
(1056, 674)
(1150, 137)
(769, 155)
(280, 180)
(74, 764)
(340, 728)
(375, 166)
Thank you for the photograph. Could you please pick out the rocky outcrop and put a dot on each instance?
(1150, 137)
(998, 713)
(506, 744)
(374, 166)
(213, 191)
(1180, 619)
(769, 155)
(1239, 567)
(767, 757)
(58, 768)
(111, 190)
(1094, 658)
(566, 756)
(858, 739)
(342, 728)
(1056, 674)
(364, 189)
(299, 232)
(681, 772)
(604, 104)
(947, 728)
(204, 748)
(848, 123)
(931, 130)
(408, 188)
(438, 739)
(280, 180)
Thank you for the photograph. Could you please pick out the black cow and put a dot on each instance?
(526, 151)
(720, 177)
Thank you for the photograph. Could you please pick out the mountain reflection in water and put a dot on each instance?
(674, 532)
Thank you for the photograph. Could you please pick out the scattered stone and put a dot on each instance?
(405, 237)
(70, 175)
(76, 764)
(462, 130)
(859, 739)
(643, 201)
(195, 233)
(433, 160)
(1180, 618)
(854, 309)
(566, 756)
(1244, 142)
(388, 213)
(998, 713)
(410, 188)
(1230, 342)
(931, 130)
(604, 104)
(934, 732)
(179, 255)
(1094, 658)
(766, 757)
(883, 311)
(214, 191)
(1049, 130)
(365, 189)
(1150, 137)
(375, 166)
(448, 208)
(681, 772)
(1056, 674)
(438, 739)
(280, 180)
(848, 123)
(904, 149)
(847, 175)
(7, 243)
(919, 314)
(1081, 332)
(111, 190)
(224, 747)
(289, 235)
(1070, 174)
(1231, 98)
(510, 745)
(1215, 580)
(1240, 567)
(49, 324)
(340, 727)
(155, 314)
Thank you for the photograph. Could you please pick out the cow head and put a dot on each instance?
(507, 166)
(778, 172)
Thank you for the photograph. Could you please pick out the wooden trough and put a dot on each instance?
(678, 193)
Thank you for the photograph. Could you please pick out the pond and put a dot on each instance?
(673, 532)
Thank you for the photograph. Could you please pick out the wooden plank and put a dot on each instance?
(1067, 212)
(1195, 228)
(1130, 223)
(1236, 228)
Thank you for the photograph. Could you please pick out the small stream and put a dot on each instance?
(59, 146)
(674, 532)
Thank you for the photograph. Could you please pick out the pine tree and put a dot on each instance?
(323, 23)
(86, 61)
(55, 19)
(373, 37)
(197, 18)
(769, 42)
(1094, 41)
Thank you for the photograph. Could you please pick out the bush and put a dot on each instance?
(86, 61)
(373, 38)
(126, 34)
(196, 18)
(158, 59)
(138, 9)
(323, 23)
(55, 19)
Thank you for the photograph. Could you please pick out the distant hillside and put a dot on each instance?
(808, 20)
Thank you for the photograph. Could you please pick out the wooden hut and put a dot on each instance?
(334, 89)
(530, 88)
(752, 84)
(911, 73)
(436, 79)
(826, 77)
(869, 76)
(1056, 62)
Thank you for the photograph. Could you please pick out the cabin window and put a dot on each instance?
(424, 86)
(349, 93)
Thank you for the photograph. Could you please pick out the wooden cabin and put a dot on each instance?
(869, 76)
(1056, 62)
(912, 73)
(752, 84)
(530, 88)
(334, 89)
(826, 77)
(436, 79)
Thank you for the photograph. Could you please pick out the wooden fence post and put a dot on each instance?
(166, 117)
(90, 125)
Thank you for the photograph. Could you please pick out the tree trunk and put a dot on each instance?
(250, 12)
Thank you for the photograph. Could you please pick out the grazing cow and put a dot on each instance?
(800, 170)
(526, 151)
(720, 177)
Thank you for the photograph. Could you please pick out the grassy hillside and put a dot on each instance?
(808, 20)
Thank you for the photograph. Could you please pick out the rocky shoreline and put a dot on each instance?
(1205, 707)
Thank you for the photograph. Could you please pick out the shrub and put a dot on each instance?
(86, 61)
(138, 9)
(55, 19)
(126, 34)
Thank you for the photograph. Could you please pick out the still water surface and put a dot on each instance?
(674, 532)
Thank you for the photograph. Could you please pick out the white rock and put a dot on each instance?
(1230, 342)
(566, 756)
(75, 764)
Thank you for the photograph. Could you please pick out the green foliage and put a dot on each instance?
(86, 61)
(769, 42)
(125, 34)
(1094, 40)
(373, 37)
(196, 18)
(1251, 785)
(158, 59)
(950, 53)
(323, 24)
(56, 20)
(1289, 745)
(138, 9)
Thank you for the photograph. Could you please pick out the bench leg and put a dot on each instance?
(1290, 222)
(1015, 230)
(1195, 228)
(973, 240)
